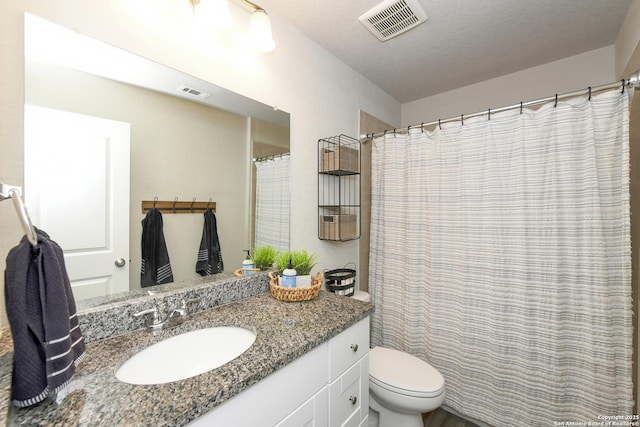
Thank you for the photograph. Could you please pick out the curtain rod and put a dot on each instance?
(275, 156)
(633, 82)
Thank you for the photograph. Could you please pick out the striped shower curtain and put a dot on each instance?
(500, 254)
(272, 202)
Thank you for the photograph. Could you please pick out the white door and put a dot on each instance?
(77, 191)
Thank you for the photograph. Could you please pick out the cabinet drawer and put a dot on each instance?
(348, 396)
(348, 347)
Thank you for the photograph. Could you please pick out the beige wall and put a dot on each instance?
(627, 46)
(634, 139)
(627, 61)
(566, 75)
(178, 149)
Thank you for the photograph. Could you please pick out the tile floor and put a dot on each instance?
(442, 418)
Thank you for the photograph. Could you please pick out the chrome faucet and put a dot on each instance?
(155, 323)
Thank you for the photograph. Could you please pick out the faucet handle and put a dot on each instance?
(187, 303)
(153, 319)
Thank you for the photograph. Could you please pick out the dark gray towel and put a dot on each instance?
(156, 267)
(210, 254)
(47, 339)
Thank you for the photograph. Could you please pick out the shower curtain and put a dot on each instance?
(272, 202)
(500, 254)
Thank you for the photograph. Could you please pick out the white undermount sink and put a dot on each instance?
(185, 355)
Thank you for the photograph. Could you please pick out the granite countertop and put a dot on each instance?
(285, 331)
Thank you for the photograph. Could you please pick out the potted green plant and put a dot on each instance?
(302, 261)
(264, 256)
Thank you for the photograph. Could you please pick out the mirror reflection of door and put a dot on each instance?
(87, 217)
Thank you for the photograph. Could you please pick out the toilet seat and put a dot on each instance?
(404, 373)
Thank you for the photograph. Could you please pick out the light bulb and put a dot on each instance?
(213, 12)
(260, 32)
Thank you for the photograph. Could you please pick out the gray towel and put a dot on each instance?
(156, 267)
(210, 254)
(47, 339)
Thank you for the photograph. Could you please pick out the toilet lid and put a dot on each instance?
(404, 373)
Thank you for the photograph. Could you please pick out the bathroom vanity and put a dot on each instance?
(309, 362)
(329, 386)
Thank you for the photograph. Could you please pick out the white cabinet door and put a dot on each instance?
(313, 413)
(349, 395)
(275, 397)
(77, 190)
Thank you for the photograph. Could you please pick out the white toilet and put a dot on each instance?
(401, 386)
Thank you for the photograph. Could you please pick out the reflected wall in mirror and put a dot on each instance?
(189, 139)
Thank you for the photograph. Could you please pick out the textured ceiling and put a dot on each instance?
(463, 41)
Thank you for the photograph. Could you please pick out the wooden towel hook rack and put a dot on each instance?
(176, 206)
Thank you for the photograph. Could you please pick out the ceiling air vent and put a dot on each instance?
(193, 92)
(392, 18)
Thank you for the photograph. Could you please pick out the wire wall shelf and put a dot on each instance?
(339, 164)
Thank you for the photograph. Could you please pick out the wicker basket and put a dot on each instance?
(296, 294)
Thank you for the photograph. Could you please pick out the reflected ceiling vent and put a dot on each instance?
(194, 92)
(392, 18)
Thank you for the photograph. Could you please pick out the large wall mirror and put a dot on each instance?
(105, 129)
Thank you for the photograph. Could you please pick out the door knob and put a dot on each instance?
(120, 262)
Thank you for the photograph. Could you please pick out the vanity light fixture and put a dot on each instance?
(216, 13)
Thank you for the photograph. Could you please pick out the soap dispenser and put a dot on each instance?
(247, 264)
(289, 276)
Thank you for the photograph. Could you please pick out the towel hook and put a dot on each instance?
(589, 93)
(556, 104)
(440, 124)
(422, 127)
(192, 203)
(209, 203)
(489, 113)
(520, 107)
(462, 119)
(623, 85)
(155, 200)
(175, 200)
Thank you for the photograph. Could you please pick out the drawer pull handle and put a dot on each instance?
(354, 347)
(353, 399)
